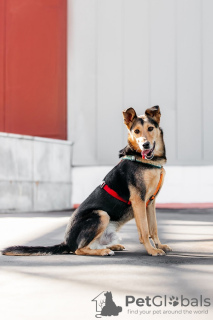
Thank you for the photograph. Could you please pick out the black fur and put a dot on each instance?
(135, 122)
(152, 121)
(128, 150)
(83, 228)
(24, 250)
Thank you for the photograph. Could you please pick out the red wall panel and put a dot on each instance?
(2, 64)
(35, 68)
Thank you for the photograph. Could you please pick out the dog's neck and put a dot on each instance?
(159, 158)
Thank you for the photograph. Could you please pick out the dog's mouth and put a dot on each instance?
(148, 153)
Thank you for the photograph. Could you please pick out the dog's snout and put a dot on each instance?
(146, 145)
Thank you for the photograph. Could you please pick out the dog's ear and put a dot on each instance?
(129, 115)
(154, 113)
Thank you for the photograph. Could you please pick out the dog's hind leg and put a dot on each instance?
(109, 238)
(96, 230)
(86, 251)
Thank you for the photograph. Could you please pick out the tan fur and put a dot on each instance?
(146, 217)
(117, 247)
(139, 208)
(144, 135)
(153, 231)
(133, 143)
(93, 252)
(14, 253)
(18, 254)
(151, 179)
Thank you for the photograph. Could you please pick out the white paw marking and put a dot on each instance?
(111, 253)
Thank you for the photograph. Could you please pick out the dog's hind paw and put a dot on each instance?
(111, 253)
(117, 247)
(107, 252)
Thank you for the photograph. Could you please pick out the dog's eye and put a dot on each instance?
(150, 128)
(137, 131)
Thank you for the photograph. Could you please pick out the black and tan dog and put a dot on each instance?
(128, 191)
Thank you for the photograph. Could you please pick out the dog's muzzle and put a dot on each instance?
(148, 153)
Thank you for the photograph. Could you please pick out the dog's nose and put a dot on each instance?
(146, 145)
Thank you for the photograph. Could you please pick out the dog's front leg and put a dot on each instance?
(153, 230)
(139, 209)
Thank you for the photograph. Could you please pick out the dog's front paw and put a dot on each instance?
(164, 247)
(156, 252)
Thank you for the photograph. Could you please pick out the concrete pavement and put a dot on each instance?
(62, 287)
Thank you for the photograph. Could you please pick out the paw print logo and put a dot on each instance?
(173, 301)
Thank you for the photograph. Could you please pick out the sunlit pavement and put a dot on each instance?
(62, 287)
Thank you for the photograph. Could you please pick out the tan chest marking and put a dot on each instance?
(151, 179)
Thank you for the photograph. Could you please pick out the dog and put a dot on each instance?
(128, 192)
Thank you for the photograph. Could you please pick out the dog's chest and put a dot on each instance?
(151, 180)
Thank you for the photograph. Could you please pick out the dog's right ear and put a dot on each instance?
(129, 116)
(154, 113)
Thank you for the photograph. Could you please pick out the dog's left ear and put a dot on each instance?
(154, 113)
(129, 115)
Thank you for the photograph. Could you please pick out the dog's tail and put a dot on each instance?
(61, 248)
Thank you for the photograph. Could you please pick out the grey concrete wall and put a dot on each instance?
(140, 53)
(35, 173)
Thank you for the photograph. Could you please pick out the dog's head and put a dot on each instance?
(108, 295)
(145, 135)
